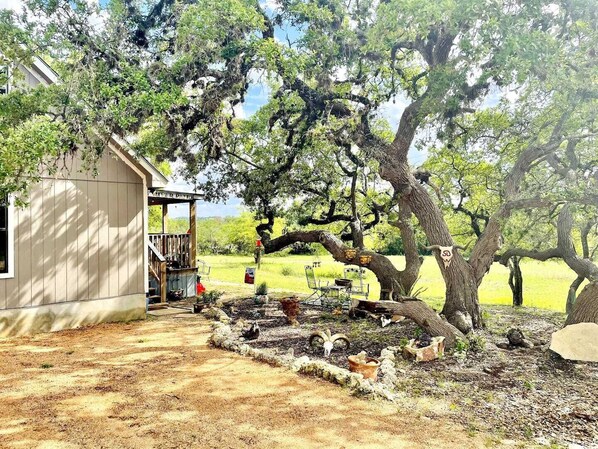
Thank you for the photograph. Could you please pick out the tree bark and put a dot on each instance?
(516, 280)
(586, 306)
(572, 293)
(386, 273)
(420, 313)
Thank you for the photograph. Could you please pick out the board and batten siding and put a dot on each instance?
(80, 237)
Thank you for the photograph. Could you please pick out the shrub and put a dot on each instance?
(461, 345)
(476, 343)
(211, 297)
(262, 289)
(287, 270)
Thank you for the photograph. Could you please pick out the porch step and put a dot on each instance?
(158, 306)
(153, 299)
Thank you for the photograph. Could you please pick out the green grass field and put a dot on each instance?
(545, 284)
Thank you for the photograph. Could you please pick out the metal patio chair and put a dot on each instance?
(325, 296)
(358, 288)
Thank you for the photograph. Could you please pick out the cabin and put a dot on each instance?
(80, 253)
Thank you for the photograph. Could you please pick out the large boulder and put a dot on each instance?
(577, 342)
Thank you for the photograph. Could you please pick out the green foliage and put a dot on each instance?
(476, 343)
(461, 346)
(210, 297)
(262, 288)
(286, 270)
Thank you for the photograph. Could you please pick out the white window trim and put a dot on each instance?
(10, 259)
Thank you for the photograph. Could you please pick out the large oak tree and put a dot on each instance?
(170, 75)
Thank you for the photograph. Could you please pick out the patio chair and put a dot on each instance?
(203, 269)
(326, 295)
(358, 288)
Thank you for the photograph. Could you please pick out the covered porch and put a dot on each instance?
(172, 257)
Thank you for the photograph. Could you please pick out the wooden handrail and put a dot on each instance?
(157, 268)
(176, 248)
(157, 253)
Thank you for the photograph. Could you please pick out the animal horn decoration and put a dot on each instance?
(446, 253)
(328, 339)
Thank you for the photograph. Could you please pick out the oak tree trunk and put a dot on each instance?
(420, 313)
(516, 280)
(586, 306)
(572, 293)
(387, 274)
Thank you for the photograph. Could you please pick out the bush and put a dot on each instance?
(477, 343)
(210, 297)
(262, 289)
(287, 270)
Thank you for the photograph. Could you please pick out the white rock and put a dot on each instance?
(577, 342)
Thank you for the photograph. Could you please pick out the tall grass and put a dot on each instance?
(545, 283)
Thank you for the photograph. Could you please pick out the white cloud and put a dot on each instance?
(272, 5)
(15, 5)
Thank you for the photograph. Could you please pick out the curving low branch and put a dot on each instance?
(386, 273)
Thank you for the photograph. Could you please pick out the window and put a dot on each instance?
(6, 239)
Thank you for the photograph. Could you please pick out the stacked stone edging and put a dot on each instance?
(224, 337)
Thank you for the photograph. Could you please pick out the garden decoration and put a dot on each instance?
(365, 260)
(424, 348)
(350, 254)
(328, 339)
(364, 365)
(252, 333)
(385, 321)
(516, 340)
(290, 307)
(261, 294)
(258, 252)
(249, 275)
(317, 263)
(446, 252)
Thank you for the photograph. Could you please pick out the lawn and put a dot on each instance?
(545, 284)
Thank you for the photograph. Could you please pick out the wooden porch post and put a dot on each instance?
(193, 232)
(163, 282)
(164, 218)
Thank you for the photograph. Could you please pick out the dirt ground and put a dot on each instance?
(523, 394)
(156, 384)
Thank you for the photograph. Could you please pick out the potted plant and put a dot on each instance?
(261, 294)
(207, 298)
(290, 307)
(364, 365)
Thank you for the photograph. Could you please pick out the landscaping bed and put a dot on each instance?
(520, 393)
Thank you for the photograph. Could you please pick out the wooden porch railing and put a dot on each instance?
(157, 268)
(176, 248)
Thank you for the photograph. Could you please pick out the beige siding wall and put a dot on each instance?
(80, 238)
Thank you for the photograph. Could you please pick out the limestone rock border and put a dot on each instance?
(224, 337)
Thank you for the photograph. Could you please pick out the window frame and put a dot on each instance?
(10, 227)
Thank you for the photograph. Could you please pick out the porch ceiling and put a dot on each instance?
(159, 197)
